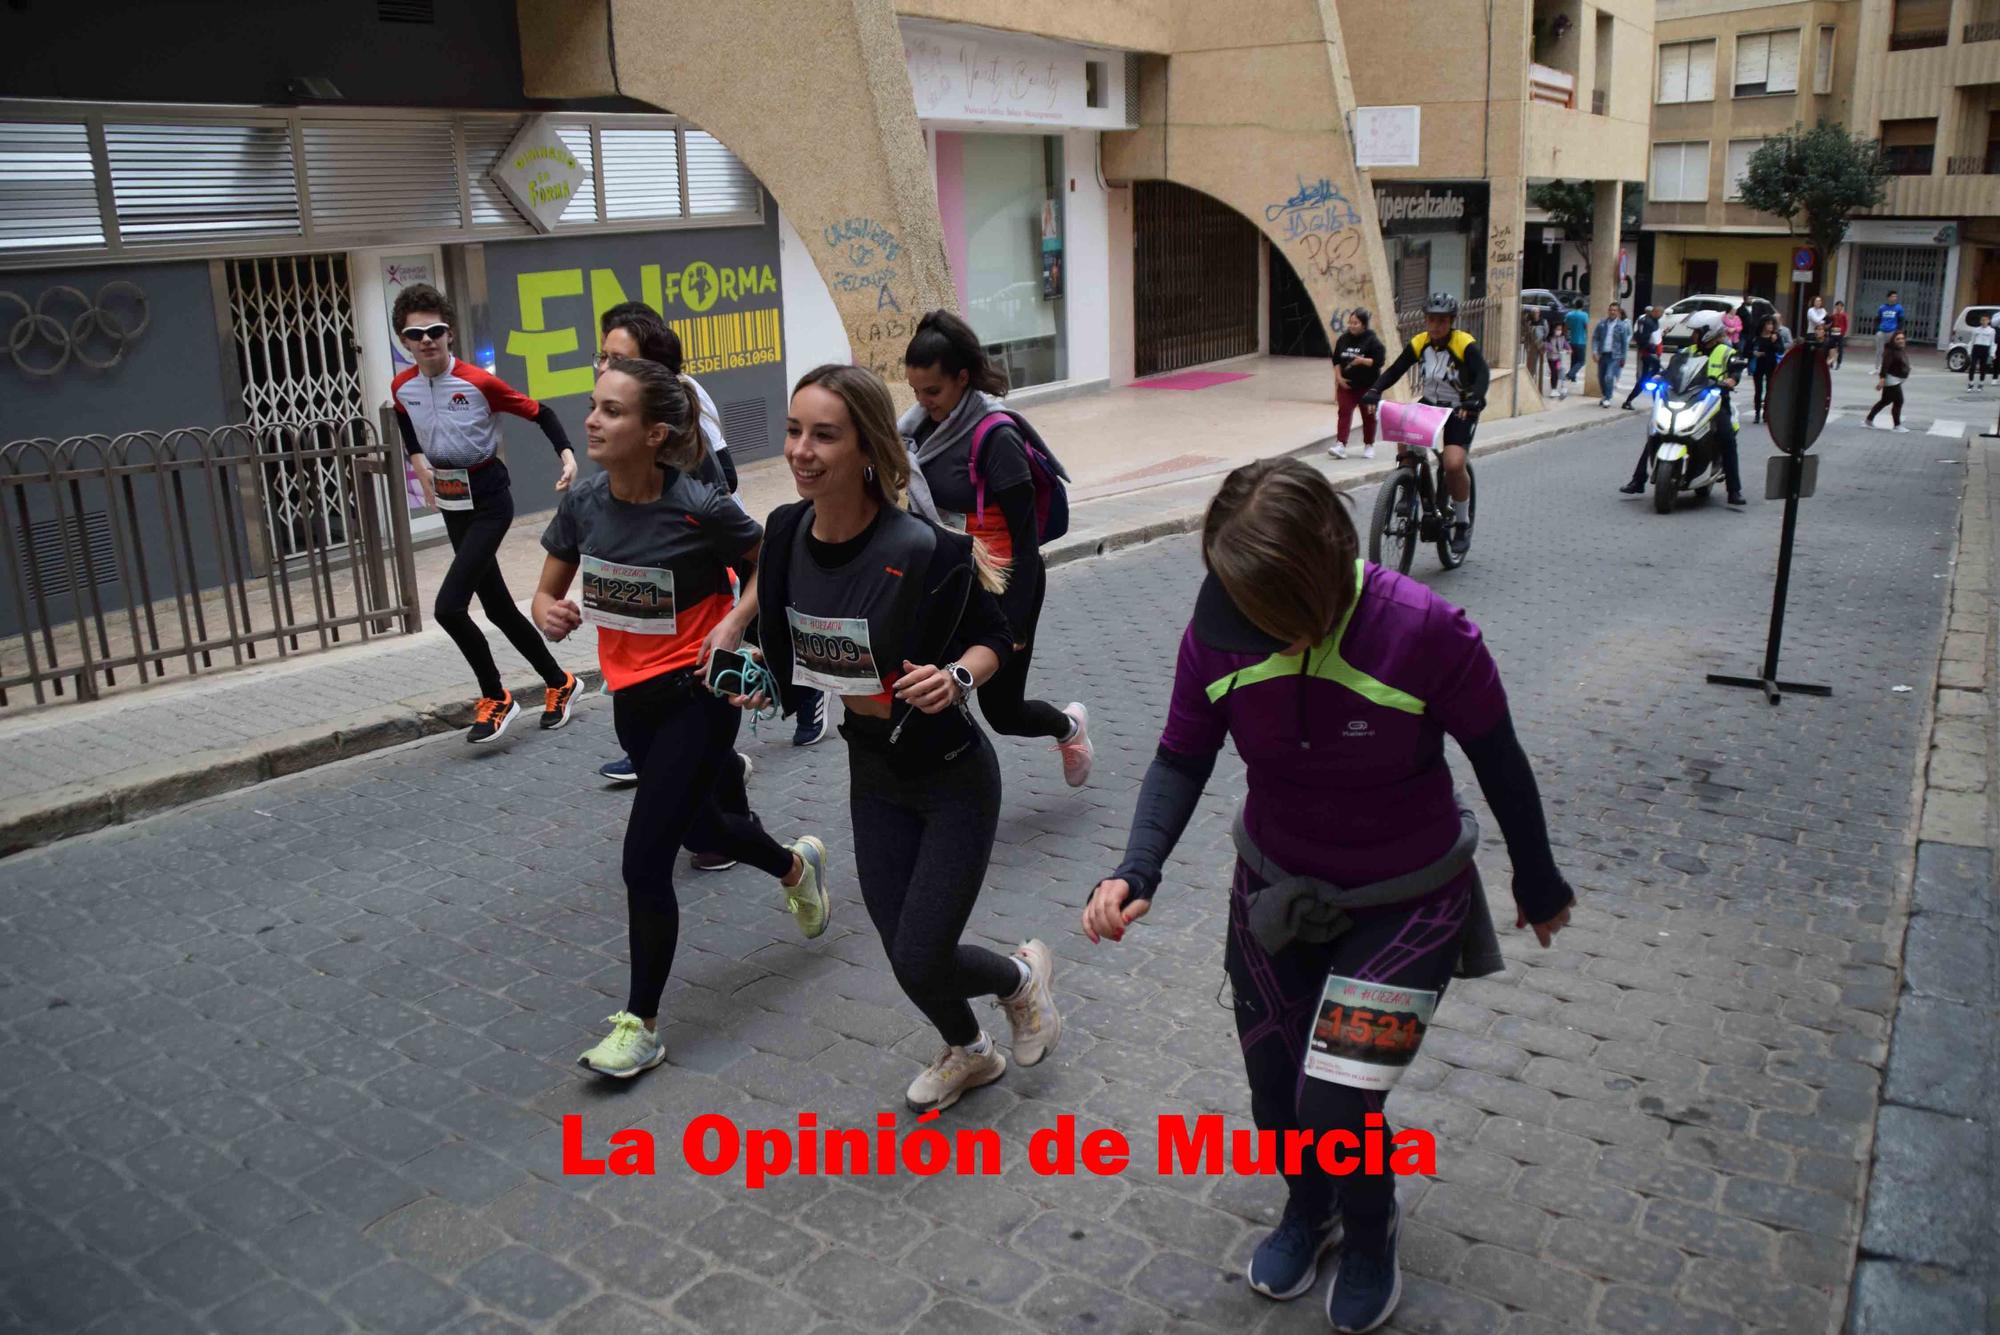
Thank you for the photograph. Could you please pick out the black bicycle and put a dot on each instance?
(1409, 510)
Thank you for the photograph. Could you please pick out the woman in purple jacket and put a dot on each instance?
(1355, 899)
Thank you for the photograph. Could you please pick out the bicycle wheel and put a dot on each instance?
(1470, 512)
(1392, 532)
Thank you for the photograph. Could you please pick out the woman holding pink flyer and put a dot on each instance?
(1355, 899)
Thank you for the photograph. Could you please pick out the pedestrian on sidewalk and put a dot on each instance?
(1577, 323)
(1358, 356)
(1764, 351)
(636, 330)
(1980, 368)
(979, 466)
(1612, 339)
(1816, 317)
(1354, 869)
(1732, 327)
(447, 412)
(1646, 335)
(1895, 369)
(1553, 345)
(1836, 333)
(900, 617)
(655, 548)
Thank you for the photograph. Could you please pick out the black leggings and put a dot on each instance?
(1980, 366)
(1760, 380)
(476, 535)
(683, 741)
(1003, 699)
(1277, 998)
(1892, 399)
(921, 846)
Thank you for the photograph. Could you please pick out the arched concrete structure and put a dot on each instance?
(1253, 112)
(815, 99)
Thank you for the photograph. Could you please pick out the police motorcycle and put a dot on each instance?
(1684, 439)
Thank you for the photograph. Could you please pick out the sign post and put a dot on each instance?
(1795, 408)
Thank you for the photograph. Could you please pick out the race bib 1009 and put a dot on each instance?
(833, 654)
(639, 599)
(1366, 1034)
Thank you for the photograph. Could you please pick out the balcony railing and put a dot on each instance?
(1553, 86)
(1916, 39)
(1982, 32)
(1975, 164)
(1909, 160)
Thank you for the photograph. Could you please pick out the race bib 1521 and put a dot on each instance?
(833, 654)
(639, 599)
(1366, 1034)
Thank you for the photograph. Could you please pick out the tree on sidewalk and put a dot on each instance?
(1816, 180)
(1572, 206)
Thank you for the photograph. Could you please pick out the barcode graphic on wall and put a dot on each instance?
(731, 342)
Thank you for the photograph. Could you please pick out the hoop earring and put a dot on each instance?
(868, 473)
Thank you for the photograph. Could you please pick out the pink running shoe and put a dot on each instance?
(1077, 752)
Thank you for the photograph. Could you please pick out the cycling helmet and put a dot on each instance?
(1441, 303)
(1705, 325)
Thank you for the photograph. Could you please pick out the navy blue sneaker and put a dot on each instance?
(1366, 1286)
(1287, 1261)
(620, 771)
(812, 720)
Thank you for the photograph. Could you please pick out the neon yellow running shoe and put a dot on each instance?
(808, 901)
(629, 1049)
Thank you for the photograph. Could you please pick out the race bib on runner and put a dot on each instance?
(833, 654)
(1366, 1034)
(639, 599)
(453, 487)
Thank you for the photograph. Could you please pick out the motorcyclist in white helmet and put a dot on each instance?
(1706, 326)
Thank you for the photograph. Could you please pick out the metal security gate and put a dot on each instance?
(1915, 274)
(300, 362)
(1194, 279)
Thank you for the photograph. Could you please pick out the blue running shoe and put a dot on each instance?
(620, 771)
(1287, 1260)
(1366, 1286)
(812, 720)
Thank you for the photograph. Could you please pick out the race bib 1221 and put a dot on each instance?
(639, 599)
(1366, 1034)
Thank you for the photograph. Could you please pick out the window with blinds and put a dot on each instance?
(1920, 23)
(48, 187)
(202, 180)
(1740, 151)
(485, 141)
(1680, 173)
(1687, 72)
(1823, 62)
(642, 172)
(1767, 62)
(582, 208)
(718, 182)
(376, 175)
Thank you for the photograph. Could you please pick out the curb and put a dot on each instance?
(77, 809)
(144, 791)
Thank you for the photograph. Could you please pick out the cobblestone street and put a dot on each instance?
(296, 1058)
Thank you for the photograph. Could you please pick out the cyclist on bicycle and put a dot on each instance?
(1712, 347)
(1453, 374)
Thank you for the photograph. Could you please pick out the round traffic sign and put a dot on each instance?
(1802, 374)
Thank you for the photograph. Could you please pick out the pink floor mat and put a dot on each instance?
(1191, 380)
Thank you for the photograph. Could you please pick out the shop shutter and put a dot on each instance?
(1673, 73)
(642, 172)
(380, 175)
(717, 181)
(48, 188)
(1783, 76)
(1701, 72)
(202, 180)
(583, 208)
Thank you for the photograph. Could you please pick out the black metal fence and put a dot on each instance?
(1471, 318)
(150, 554)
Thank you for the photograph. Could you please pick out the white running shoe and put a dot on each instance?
(629, 1049)
(1031, 1012)
(1900, 430)
(1077, 752)
(1368, 451)
(956, 1070)
(1337, 450)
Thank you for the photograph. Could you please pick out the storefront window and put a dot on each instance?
(1014, 265)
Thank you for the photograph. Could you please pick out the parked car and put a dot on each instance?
(1958, 355)
(1674, 321)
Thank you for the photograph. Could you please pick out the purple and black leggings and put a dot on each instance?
(1276, 1000)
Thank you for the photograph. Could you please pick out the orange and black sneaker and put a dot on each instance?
(556, 705)
(491, 717)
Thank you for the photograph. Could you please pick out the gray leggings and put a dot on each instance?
(921, 847)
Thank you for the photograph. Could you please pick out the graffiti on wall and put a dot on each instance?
(1316, 208)
(866, 257)
(1503, 259)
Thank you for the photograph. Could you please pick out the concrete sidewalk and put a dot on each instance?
(1145, 462)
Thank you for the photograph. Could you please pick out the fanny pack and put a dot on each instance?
(1304, 908)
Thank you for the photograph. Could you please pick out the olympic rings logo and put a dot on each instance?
(63, 323)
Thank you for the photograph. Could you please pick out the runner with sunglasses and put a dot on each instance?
(655, 548)
(447, 411)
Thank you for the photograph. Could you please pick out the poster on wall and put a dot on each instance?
(1388, 136)
(399, 272)
(1052, 252)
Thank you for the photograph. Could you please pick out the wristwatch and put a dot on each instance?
(961, 674)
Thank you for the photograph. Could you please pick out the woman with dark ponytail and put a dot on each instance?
(655, 547)
(969, 457)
